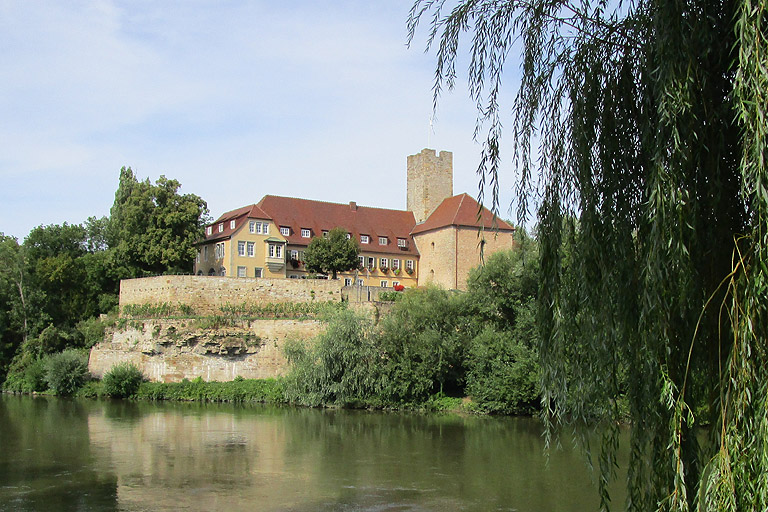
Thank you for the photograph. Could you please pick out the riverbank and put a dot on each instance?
(262, 391)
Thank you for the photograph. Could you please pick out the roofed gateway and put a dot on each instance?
(437, 239)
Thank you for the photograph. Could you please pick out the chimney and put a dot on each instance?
(353, 206)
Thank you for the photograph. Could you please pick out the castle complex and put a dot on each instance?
(437, 239)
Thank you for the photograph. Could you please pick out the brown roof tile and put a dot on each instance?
(319, 216)
(461, 210)
(240, 216)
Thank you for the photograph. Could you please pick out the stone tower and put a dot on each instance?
(430, 180)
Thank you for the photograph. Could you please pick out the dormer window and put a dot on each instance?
(383, 240)
(221, 227)
(209, 231)
(402, 243)
(365, 239)
(325, 234)
(349, 235)
(231, 224)
(306, 233)
(285, 230)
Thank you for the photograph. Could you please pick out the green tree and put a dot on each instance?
(331, 254)
(645, 121)
(152, 228)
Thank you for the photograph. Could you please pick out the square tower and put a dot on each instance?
(430, 181)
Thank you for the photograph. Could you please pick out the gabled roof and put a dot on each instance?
(461, 210)
(319, 216)
(240, 216)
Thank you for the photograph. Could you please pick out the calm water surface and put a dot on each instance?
(58, 454)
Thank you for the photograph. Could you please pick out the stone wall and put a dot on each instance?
(172, 350)
(205, 295)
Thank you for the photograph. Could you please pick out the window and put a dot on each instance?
(383, 284)
(209, 230)
(325, 233)
(221, 227)
(257, 272)
(219, 250)
(241, 250)
(252, 226)
(305, 233)
(395, 264)
(395, 283)
(285, 231)
(250, 249)
(371, 263)
(240, 271)
(361, 261)
(197, 258)
(383, 263)
(383, 240)
(301, 255)
(295, 255)
(347, 281)
(360, 282)
(265, 228)
(222, 271)
(349, 235)
(402, 242)
(409, 265)
(364, 239)
(275, 251)
(205, 252)
(232, 226)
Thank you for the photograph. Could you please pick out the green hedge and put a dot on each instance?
(238, 390)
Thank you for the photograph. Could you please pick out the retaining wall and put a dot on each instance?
(173, 350)
(206, 294)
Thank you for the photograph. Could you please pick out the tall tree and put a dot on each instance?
(153, 228)
(332, 253)
(645, 120)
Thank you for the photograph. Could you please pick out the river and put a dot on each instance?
(61, 454)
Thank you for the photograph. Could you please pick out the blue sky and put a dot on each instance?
(315, 99)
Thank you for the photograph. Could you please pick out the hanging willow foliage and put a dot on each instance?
(646, 122)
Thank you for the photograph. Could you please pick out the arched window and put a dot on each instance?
(212, 272)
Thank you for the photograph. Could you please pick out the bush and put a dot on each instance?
(66, 372)
(341, 366)
(92, 331)
(502, 374)
(27, 375)
(122, 380)
(240, 390)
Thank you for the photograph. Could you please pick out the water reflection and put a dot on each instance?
(140, 456)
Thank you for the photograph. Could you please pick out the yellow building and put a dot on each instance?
(437, 239)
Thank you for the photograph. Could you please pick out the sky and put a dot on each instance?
(314, 99)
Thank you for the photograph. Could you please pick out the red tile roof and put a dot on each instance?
(461, 210)
(240, 216)
(319, 216)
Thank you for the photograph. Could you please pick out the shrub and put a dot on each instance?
(502, 374)
(341, 366)
(122, 380)
(66, 372)
(26, 375)
(92, 330)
